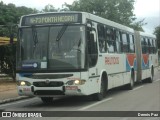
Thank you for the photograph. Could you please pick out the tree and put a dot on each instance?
(9, 18)
(120, 11)
(157, 33)
(8, 60)
(138, 25)
(10, 15)
(49, 8)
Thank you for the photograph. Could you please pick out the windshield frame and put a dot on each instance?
(52, 70)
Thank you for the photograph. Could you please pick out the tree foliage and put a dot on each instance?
(120, 11)
(49, 8)
(8, 60)
(10, 16)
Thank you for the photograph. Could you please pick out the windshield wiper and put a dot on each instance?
(34, 34)
(61, 32)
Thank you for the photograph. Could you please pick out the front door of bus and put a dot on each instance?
(92, 53)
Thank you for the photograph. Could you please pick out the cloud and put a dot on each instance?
(144, 8)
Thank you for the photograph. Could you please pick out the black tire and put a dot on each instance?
(47, 100)
(102, 94)
(150, 79)
(130, 86)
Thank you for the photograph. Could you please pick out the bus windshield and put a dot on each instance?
(51, 47)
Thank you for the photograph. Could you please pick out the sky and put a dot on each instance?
(148, 9)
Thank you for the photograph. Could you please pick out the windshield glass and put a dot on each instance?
(53, 47)
(34, 47)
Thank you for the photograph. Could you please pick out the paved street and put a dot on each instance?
(144, 97)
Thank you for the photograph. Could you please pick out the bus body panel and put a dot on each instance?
(149, 60)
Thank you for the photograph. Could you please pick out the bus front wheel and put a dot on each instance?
(102, 94)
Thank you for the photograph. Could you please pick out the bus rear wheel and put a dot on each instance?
(47, 100)
(130, 86)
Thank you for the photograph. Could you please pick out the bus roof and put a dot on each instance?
(99, 20)
(147, 35)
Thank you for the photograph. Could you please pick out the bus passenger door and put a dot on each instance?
(92, 52)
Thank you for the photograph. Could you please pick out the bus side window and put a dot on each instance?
(148, 46)
(121, 42)
(154, 46)
(151, 46)
(111, 40)
(101, 38)
(144, 45)
(118, 41)
(153, 50)
(131, 44)
(114, 40)
(125, 43)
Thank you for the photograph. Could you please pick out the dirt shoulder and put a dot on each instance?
(6, 85)
(8, 91)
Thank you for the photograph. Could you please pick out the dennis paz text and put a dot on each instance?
(148, 114)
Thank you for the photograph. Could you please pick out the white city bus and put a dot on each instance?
(77, 53)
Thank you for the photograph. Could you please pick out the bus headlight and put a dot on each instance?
(76, 82)
(23, 83)
(79, 82)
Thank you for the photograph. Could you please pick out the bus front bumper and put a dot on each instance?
(50, 91)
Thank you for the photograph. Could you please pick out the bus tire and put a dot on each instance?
(103, 90)
(130, 86)
(47, 100)
(150, 79)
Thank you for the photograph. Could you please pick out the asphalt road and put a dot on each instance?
(144, 97)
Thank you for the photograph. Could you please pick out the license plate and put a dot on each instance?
(71, 87)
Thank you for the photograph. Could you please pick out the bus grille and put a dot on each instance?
(49, 92)
(50, 84)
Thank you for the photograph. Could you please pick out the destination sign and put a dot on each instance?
(52, 18)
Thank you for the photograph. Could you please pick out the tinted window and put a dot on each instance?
(131, 44)
(125, 42)
(143, 45)
(111, 40)
(118, 41)
(101, 38)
